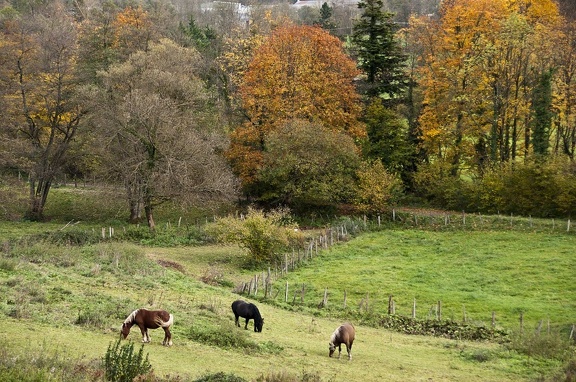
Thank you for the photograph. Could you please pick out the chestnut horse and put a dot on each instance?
(149, 319)
(248, 311)
(344, 334)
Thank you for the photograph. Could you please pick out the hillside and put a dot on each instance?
(69, 302)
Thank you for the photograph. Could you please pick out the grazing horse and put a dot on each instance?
(149, 319)
(344, 334)
(248, 311)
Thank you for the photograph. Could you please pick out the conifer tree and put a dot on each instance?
(379, 54)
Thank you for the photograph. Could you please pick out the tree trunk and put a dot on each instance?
(150, 218)
(38, 196)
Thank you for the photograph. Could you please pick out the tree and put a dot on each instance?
(541, 108)
(326, 20)
(379, 55)
(378, 189)
(480, 63)
(161, 130)
(307, 167)
(42, 116)
(388, 139)
(300, 72)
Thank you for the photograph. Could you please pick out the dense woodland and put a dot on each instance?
(460, 104)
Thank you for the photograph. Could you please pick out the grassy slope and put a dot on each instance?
(61, 284)
(479, 272)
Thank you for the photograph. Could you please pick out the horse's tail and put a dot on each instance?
(168, 323)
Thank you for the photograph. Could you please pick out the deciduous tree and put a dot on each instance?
(300, 72)
(42, 116)
(308, 167)
(161, 130)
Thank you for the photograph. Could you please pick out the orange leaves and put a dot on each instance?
(299, 72)
(133, 30)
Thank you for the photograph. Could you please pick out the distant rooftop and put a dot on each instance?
(318, 3)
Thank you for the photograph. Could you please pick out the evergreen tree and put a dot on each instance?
(379, 54)
(326, 21)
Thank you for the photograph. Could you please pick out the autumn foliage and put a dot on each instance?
(300, 72)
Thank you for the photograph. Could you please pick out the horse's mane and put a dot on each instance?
(130, 319)
(257, 315)
(334, 335)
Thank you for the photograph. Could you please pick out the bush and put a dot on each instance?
(266, 236)
(220, 377)
(121, 364)
(223, 336)
(545, 345)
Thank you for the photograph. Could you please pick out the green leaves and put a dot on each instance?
(122, 364)
(264, 235)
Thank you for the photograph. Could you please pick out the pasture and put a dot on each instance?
(70, 301)
(472, 273)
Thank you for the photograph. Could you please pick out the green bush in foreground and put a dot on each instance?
(220, 377)
(121, 364)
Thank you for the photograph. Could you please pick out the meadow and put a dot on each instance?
(65, 295)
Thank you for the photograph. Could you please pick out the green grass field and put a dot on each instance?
(472, 273)
(72, 300)
(62, 304)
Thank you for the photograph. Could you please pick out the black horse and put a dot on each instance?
(248, 311)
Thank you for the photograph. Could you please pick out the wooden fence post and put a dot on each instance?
(286, 293)
(439, 311)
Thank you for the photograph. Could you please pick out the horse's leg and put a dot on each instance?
(167, 337)
(349, 349)
(148, 339)
(144, 332)
(339, 350)
(237, 320)
(246, 326)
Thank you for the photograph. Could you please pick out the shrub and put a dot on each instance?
(222, 337)
(121, 364)
(220, 377)
(264, 235)
(545, 345)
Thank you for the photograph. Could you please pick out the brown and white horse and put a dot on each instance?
(344, 334)
(149, 319)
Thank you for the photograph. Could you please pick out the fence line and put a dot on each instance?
(333, 235)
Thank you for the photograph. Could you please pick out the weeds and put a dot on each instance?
(220, 377)
(121, 364)
(45, 366)
(545, 345)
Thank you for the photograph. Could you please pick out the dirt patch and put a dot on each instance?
(171, 264)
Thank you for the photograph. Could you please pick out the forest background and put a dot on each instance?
(331, 108)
